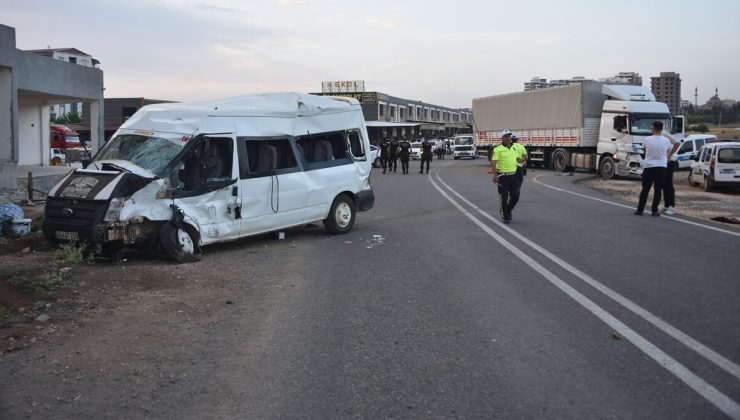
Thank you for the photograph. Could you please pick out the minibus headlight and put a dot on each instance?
(114, 209)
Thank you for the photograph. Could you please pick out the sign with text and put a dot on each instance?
(343, 86)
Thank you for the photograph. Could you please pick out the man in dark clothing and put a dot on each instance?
(384, 154)
(426, 154)
(404, 151)
(393, 155)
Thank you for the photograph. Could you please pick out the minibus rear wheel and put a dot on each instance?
(341, 215)
(181, 244)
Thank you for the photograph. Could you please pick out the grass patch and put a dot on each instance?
(58, 271)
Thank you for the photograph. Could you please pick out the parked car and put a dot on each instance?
(416, 150)
(375, 155)
(717, 165)
(690, 148)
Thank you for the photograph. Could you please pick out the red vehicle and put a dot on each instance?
(63, 138)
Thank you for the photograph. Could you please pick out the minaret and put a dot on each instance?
(716, 92)
(696, 97)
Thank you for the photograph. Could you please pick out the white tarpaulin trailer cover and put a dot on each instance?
(559, 107)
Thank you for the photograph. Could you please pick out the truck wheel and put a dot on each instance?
(607, 167)
(560, 160)
(692, 181)
(376, 163)
(180, 244)
(708, 184)
(341, 215)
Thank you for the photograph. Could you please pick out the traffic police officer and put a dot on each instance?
(503, 167)
(426, 154)
(393, 155)
(404, 151)
(384, 154)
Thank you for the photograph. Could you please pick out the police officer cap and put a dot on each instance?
(505, 133)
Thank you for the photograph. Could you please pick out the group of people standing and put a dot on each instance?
(659, 164)
(508, 165)
(393, 150)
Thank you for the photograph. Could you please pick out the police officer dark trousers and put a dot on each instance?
(384, 154)
(426, 155)
(393, 155)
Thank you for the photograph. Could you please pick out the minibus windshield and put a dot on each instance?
(149, 153)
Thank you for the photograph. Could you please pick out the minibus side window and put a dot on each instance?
(323, 147)
(210, 161)
(268, 157)
(356, 144)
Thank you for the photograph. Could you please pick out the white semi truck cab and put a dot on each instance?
(626, 117)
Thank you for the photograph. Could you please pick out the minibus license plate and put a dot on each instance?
(68, 236)
(727, 171)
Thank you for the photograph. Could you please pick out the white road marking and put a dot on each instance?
(688, 222)
(711, 355)
(710, 393)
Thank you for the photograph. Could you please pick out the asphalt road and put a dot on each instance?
(444, 319)
(429, 308)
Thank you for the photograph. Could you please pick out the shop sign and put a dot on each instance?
(343, 86)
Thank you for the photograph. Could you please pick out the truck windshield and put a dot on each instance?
(72, 139)
(150, 153)
(640, 123)
(463, 141)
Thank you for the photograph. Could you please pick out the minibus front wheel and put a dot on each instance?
(341, 215)
(180, 243)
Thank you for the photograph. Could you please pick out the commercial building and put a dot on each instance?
(29, 84)
(389, 116)
(667, 89)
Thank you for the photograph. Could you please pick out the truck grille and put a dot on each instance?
(464, 148)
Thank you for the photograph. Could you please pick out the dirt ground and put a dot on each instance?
(690, 201)
(97, 327)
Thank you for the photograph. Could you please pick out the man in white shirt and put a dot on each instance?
(440, 149)
(657, 154)
(669, 192)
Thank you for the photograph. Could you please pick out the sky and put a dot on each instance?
(440, 52)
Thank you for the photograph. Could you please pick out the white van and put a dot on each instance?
(717, 165)
(464, 146)
(178, 176)
(690, 148)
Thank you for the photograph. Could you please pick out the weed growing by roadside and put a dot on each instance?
(72, 253)
(58, 271)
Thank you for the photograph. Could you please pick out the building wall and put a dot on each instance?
(29, 80)
(6, 117)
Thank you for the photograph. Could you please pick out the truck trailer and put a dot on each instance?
(587, 125)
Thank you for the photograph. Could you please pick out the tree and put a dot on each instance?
(69, 118)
